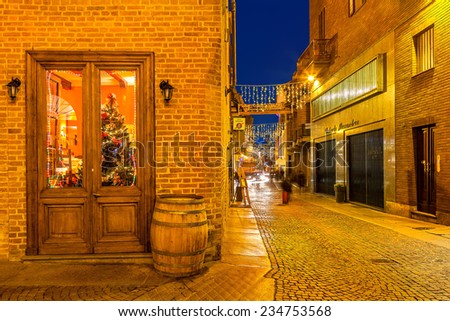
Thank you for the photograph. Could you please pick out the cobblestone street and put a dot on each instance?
(312, 249)
(319, 254)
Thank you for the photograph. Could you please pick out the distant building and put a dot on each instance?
(379, 103)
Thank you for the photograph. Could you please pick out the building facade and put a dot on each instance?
(422, 107)
(89, 142)
(363, 90)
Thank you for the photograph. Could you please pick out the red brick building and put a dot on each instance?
(379, 66)
(90, 74)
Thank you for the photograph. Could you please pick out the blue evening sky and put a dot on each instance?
(271, 35)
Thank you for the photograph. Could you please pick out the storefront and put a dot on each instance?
(93, 189)
(353, 129)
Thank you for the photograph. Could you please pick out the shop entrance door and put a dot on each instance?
(366, 169)
(93, 192)
(326, 167)
(425, 170)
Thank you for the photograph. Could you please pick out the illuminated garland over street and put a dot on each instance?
(294, 94)
(269, 132)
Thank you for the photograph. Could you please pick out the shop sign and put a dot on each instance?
(341, 126)
(238, 123)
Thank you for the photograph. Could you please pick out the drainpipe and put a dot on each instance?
(233, 82)
(233, 11)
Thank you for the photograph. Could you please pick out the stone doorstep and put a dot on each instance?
(422, 216)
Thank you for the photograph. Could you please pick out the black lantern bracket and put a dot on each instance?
(13, 88)
(166, 90)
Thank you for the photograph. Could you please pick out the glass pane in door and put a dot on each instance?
(64, 163)
(118, 127)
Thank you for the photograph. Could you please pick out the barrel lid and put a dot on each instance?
(180, 199)
(194, 196)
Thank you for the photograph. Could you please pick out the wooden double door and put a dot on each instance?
(90, 189)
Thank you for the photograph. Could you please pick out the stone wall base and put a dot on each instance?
(408, 211)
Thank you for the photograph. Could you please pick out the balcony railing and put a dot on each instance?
(319, 51)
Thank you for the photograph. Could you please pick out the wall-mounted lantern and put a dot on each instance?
(166, 90)
(13, 88)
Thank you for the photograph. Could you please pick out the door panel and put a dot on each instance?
(117, 225)
(375, 168)
(116, 152)
(357, 169)
(432, 172)
(425, 170)
(326, 167)
(117, 186)
(64, 128)
(64, 226)
(366, 168)
(63, 215)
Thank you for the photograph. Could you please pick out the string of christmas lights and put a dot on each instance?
(295, 94)
(269, 132)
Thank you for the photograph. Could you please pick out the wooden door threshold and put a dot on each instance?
(128, 258)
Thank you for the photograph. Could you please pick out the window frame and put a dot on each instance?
(424, 50)
(321, 20)
(354, 6)
(344, 94)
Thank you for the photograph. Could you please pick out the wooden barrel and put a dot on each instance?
(179, 234)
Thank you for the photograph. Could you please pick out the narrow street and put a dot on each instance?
(320, 254)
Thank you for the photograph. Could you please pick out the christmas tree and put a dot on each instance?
(118, 156)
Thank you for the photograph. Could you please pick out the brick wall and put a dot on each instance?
(355, 34)
(421, 100)
(186, 37)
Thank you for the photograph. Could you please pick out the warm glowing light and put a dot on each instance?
(311, 78)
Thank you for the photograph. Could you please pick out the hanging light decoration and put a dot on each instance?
(273, 97)
(268, 132)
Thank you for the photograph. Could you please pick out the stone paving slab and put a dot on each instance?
(55, 274)
(222, 282)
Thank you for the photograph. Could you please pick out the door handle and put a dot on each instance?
(425, 166)
(95, 194)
